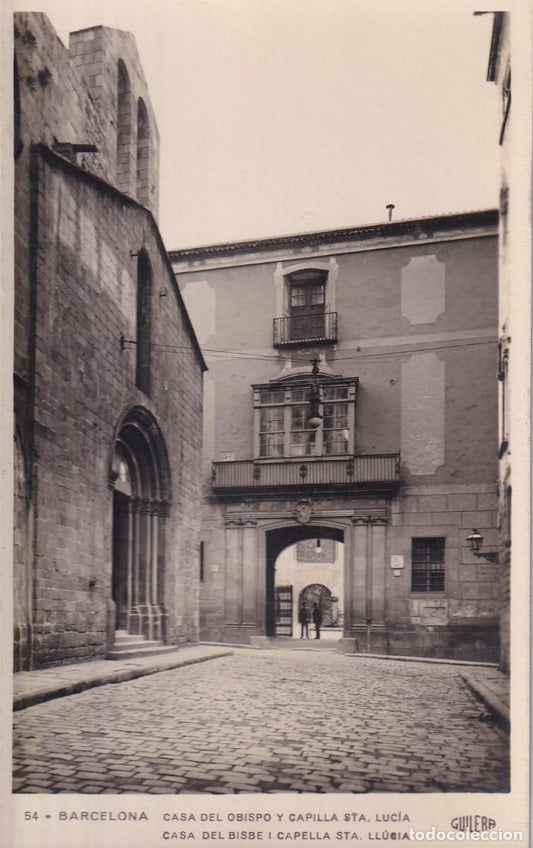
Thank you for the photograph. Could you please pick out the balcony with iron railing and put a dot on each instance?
(305, 329)
(372, 471)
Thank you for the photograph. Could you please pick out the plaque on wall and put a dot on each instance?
(397, 561)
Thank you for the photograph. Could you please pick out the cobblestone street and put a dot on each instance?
(266, 721)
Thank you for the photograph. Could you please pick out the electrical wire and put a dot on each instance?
(354, 353)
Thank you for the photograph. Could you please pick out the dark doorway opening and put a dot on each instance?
(120, 557)
(276, 542)
(318, 594)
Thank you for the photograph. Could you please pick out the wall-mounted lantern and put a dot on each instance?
(314, 418)
(475, 542)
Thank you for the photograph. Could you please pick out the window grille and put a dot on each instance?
(428, 565)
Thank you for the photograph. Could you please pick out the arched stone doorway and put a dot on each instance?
(276, 541)
(140, 479)
(321, 595)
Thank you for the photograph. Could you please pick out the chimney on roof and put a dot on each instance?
(390, 207)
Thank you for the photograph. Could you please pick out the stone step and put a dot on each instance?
(138, 643)
(131, 645)
(145, 649)
(127, 638)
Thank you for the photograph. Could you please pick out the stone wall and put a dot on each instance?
(60, 101)
(22, 573)
(96, 53)
(84, 383)
(77, 240)
(417, 327)
(460, 622)
(437, 403)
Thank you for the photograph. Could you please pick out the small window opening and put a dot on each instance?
(144, 322)
(428, 565)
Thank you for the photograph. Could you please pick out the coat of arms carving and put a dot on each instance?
(302, 511)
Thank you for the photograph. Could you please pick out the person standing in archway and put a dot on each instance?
(303, 618)
(317, 618)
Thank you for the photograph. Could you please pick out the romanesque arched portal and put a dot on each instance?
(140, 479)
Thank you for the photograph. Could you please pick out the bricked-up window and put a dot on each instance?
(123, 128)
(143, 152)
(428, 565)
(283, 424)
(144, 322)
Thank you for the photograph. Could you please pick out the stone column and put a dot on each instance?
(261, 584)
(249, 561)
(378, 572)
(365, 586)
(369, 573)
(129, 577)
(354, 586)
(378, 634)
(359, 572)
(134, 623)
(154, 522)
(233, 574)
(145, 552)
(163, 511)
(135, 506)
(152, 627)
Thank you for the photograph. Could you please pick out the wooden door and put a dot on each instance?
(283, 610)
(307, 305)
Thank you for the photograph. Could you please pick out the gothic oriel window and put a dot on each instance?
(282, 422)
(428, 571)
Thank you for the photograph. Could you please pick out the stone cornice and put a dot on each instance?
(410, 227)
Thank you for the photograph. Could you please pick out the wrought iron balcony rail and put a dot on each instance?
(302, 329)
(351, 471)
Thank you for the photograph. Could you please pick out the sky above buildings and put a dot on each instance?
(283, 116)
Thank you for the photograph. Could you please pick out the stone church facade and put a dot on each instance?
(352, 397)
(108, 371)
